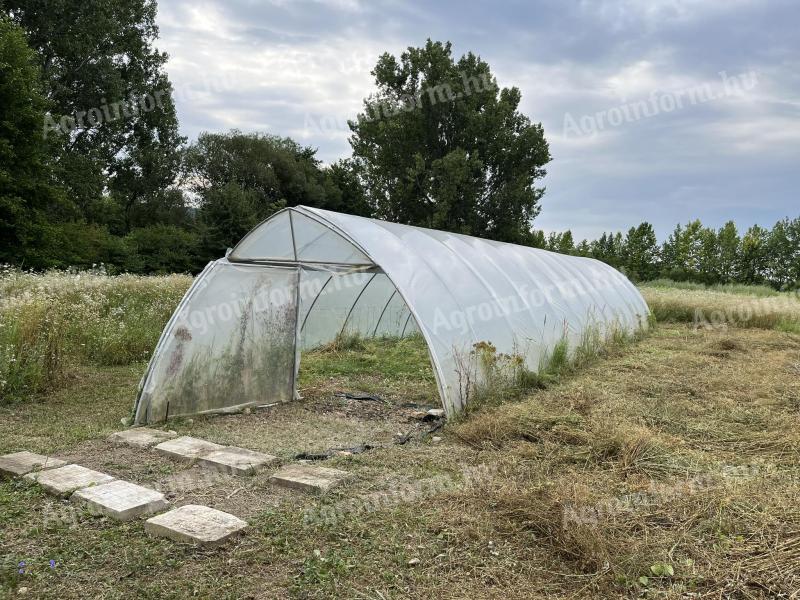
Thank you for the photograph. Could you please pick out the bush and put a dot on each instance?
(163, 249)
(76, 245)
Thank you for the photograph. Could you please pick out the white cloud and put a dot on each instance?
(302, 68)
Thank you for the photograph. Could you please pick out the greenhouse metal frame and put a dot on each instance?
(305, 276)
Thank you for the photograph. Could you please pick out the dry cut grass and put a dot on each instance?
(670, 469)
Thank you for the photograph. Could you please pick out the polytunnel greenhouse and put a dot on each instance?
(305, 276)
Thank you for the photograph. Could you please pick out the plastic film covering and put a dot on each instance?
(315, 242)
(273, 238)
(230, 344)
(363, 303)
(462, 290)
(357, 275)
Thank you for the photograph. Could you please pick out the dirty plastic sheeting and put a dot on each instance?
(230, 344)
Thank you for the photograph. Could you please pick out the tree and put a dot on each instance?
(563, 243)
(537, 239)
(344, 191)
(583, 248)
(783, 252)
(708, 263)
(241, 179)
(753, 258)
(112, 114)
(441, 145)
(29, 199)
(608, 248)
(227, 213)
(729, 249)
(640, 253)
(682, 252)
(162, 249)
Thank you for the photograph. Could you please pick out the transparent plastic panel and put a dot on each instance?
(327, 316)
(393, 318)
(231, 344)
(463, 290)
(411, 327)
(364, 316)
(271, 239)
(317, 243)
(312, 284)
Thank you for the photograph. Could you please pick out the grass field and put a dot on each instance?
(665, 468)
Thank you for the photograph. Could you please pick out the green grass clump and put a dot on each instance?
(345, 341)
(386, 359)
(52, 322)
(492, 378)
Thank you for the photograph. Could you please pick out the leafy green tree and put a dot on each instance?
(729, 249)
(783, 252)
(112, 113)
(78, 244)
(563, 243)
(163, 249)
(607, 248)
(227, 213)
(753, 259)
(583, 248)
(344, 191)
(441, 145)
(29, 199)
(241, 179)
(640, 252)
(278, 171)
(537, 239)
(708, 262)
(682, 252)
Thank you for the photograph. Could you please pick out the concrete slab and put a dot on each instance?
(236, 461)
(120, 500)
(195, 524)
(142, 437)
(65, 480)
(308, 477)
(20, 463)
(186, 448)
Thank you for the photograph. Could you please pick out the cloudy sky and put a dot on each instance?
(657, 110)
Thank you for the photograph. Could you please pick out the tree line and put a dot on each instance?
(695, 253)
(93, 168)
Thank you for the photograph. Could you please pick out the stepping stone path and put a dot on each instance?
(65, 480)
(308, 478)
(141, 437)
(123, 501)
(236, 461)
(120, 500)
(187, 448)
(21, 463)
(196, 524)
